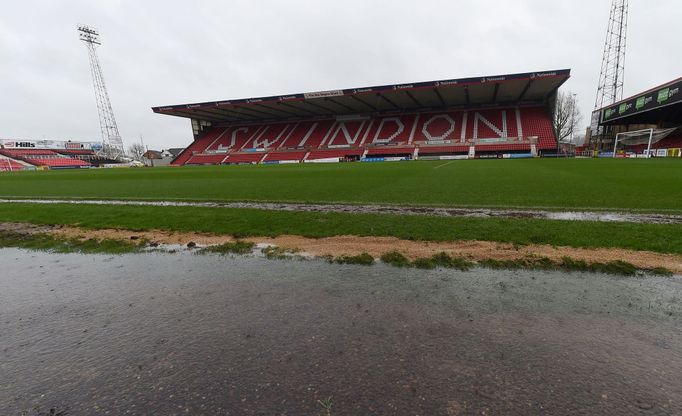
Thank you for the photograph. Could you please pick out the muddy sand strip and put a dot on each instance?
(387, 209)
(376, 246)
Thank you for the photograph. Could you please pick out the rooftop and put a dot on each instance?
(523, 88)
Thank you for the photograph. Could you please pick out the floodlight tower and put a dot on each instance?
(111, 139)
(612, 73)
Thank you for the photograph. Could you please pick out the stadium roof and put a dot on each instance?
(531, 87)
(662, 104)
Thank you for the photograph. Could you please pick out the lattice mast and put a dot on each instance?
(111, 139)
(612, 75)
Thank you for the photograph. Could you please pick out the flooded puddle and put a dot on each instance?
(388, 209)
(171, 334)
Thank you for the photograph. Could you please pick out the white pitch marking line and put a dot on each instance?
(445, 164)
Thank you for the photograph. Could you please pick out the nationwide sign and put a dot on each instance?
(650, 100)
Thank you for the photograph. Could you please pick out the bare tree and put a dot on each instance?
(136, 151)
(567, 116)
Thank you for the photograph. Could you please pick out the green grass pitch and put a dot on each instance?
(664, 238)
(599, 184)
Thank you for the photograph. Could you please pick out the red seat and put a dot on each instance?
(388, 150)
(7, 164)
(670, 142)
(536, 122)
(284, 156)
(334, 153)
(502, 147)
(56, 162)
(212, 159)
(425, 150)
(27, 152)
(506, 129)
(241, 158)
(198, 146)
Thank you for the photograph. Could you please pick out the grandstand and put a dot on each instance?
(48, 154)
(644, 125)
(498, 116)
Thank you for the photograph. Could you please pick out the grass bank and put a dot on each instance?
(251, 222)
(567, 264)
(57, 244)
(67, 245)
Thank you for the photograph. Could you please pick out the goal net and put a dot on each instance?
(640, 141)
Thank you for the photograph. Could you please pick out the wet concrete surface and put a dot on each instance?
(176, 334)
(598, 216)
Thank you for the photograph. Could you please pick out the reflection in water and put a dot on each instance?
(185, 334)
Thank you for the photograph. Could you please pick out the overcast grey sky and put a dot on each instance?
(164, 52)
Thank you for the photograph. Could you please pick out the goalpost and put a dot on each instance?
(631, 133)
(649, 137)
